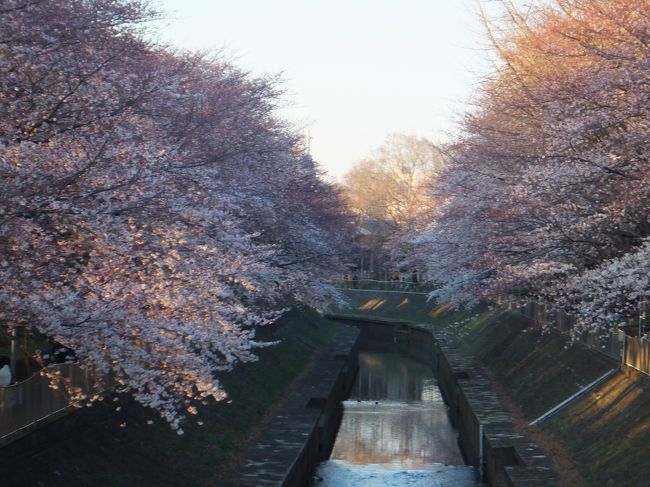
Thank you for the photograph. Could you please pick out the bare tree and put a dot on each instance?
(389, 189)
(391, 183)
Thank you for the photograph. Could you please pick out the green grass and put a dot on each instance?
(608, 432)
(538, 370)
(95, 450)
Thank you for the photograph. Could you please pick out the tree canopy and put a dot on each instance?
(154, 211)
(546, 191)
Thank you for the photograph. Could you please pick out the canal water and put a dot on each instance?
(395, 431)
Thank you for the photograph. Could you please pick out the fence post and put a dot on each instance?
(13, 357)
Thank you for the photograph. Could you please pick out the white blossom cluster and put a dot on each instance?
(546, 191)
(153, 211)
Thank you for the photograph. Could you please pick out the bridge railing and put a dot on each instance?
(382, 285)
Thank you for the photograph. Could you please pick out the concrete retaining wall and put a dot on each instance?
(302, 432)
(486, 432)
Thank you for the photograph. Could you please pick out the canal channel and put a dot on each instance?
(395, 429)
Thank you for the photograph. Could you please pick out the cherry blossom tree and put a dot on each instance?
(604, 297)
(154, 210)
(549, 178)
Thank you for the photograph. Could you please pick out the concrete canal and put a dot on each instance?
(396, 429)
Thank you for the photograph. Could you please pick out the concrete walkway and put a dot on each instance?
(303, 430)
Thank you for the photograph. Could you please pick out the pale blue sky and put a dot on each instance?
(354, 70)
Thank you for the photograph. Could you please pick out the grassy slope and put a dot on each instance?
(606, 433)
(97, 451)
(538, 370)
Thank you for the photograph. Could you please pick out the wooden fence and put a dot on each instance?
(637, 354)
(630, 351)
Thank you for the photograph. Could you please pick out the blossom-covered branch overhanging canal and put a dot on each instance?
(154, 212)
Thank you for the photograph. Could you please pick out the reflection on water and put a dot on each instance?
(395, 430)
(389, 376)
(398, 435)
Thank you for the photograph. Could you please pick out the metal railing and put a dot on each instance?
(383, 285)
(32, 401)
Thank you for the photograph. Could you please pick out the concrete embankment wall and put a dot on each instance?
(486, 433)
(302, 432)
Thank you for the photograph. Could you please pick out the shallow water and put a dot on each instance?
(338, 473)
(395, 431)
